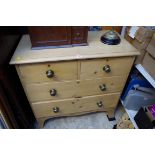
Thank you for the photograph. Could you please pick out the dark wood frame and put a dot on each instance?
(13, 102)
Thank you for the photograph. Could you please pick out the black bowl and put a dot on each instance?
(110, 41)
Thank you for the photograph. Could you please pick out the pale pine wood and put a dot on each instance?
(31, 73)
(77, 79)
(95, 49)
(40, 92)
(94, 68)
(72, 70)
(109, 111)
(72, 106)
(79, 69)
(41, 122)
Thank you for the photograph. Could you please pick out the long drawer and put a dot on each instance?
(107, 67)
(48, 72)
(74, 106)
(64, 90)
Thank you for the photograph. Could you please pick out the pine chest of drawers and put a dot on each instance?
(76, 80)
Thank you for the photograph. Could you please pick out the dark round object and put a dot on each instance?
(110, 42)
(110, 38)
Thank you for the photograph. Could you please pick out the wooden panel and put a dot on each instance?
(50, 35)
(41, 92)
(74, 106)
(37, 72)
(94, 68)
(79, 35)
(42, 36)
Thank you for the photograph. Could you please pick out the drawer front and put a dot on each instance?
(107, 67)
(64, 90)
(79, 34)
(50, 35)
(75, 106)
(47, 72)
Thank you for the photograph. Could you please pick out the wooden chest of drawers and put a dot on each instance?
(74, 81)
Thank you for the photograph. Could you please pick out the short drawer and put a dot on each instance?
(75, 106)
(97, 68)
(79, 35)
(48, 72)
(64, 90)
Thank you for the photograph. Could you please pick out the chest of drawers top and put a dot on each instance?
(95, 49)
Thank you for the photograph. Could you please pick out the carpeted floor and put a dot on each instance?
(88, 121)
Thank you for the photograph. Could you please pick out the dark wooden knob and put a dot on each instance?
(56, 109)
(100, 104)
(49, 73)
(102, 87)
(107, 69)
(53, 92)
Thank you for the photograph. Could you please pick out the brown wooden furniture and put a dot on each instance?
(74, 81)
(58, 36)
(7, 119)
(13, 103)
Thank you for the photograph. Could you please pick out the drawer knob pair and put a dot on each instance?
(100, 104)
(53, 92)
(50, 73)
(107, 69)
(103, 87)
(56, 109)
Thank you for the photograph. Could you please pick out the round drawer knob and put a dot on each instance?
(53, 92)
(100, 104)
(77, 34)
(102, 87)
(106, 68)
(56, 109)
(49, 73)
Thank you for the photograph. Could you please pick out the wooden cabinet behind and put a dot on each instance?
(53, 36)
(15, 111)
